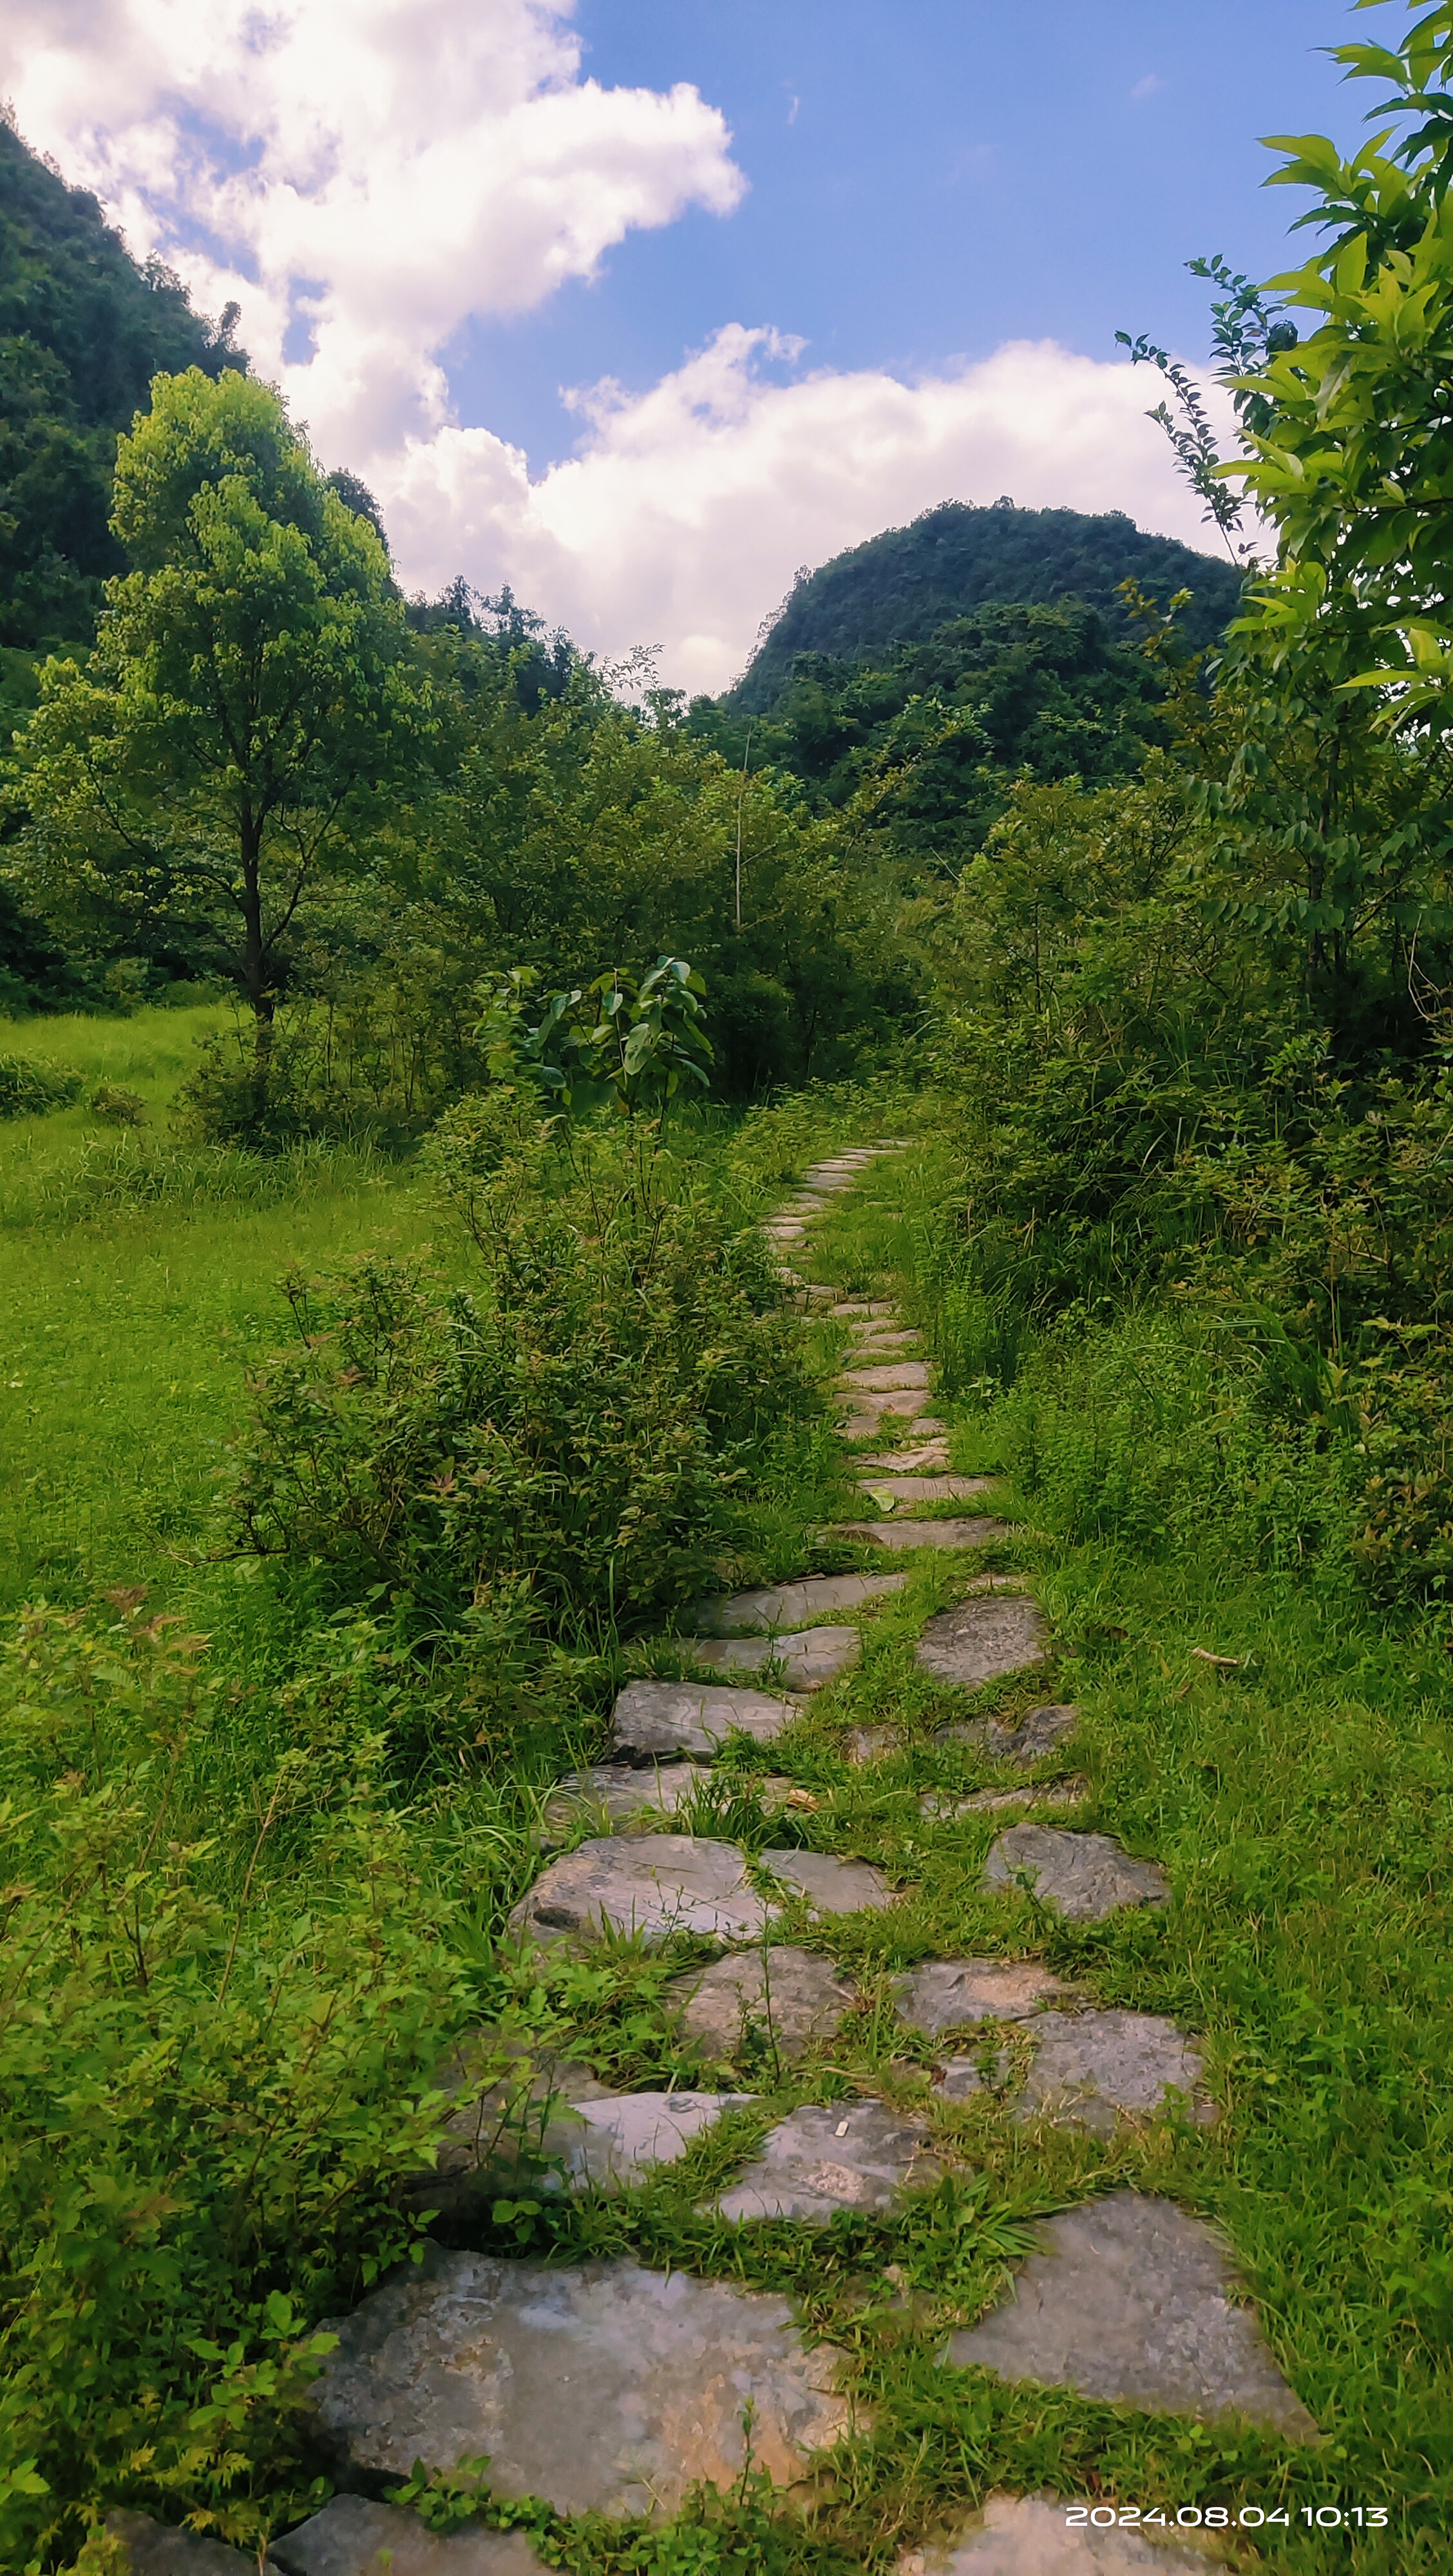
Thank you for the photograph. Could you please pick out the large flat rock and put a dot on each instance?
(1131, 2300)
(1030, 2536)
(353, 2536)
(793, 1998)
(983, 1639)
(848, 1306)
(1095, 2070)
(652, 1884)
(886, 1375)
(791, 1605)
(1039, 1731)
(949, 1994)
(654, 1721)
(870, 1337)
(600, 2386)
(1044, 1793)
(912, 1457)
(909, 1533)
(844, 2155)
(612, 2144)
(1083, 1876)
(872, 1405)
(804, 1658)
(161, 2549)
(831, 1886)
(613, 1794)
(893, 1488)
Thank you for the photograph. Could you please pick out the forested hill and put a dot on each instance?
(902, 586)
(83, 329)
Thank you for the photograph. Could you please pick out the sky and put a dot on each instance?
(641, 305)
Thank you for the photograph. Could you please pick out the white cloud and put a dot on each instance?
(392, 166)
(1147, 87)
(380, 170)
(691, 506)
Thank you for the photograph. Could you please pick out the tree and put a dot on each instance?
(250, 691)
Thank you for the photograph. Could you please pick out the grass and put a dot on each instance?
(1300, 1804)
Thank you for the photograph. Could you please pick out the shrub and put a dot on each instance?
(28, 1089)
(118, 1106)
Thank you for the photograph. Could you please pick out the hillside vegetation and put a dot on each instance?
(420, 1410)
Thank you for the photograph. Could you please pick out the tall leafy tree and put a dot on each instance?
(251, 692)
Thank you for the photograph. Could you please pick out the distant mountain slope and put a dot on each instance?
(83, 329)
(902, 586)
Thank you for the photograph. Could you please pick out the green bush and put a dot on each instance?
(118, 1106)
(28, 1089)
(207, 2086)
(559, 1439)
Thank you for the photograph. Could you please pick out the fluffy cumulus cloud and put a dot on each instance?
(365, 175)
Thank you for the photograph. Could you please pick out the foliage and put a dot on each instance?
(28, 1089)
(248, 693)
(631, 1041)
(119, 1107)
(903, 586)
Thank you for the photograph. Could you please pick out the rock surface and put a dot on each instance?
(805, 1658)
(352, 2536)
(611, 1794)
(886, 1375)
(653, 1884)
(948, 1994)
(653, 1720)
(1029, 2536)
(926, 1453)
(846, 2155)
(611, 2145)
(830, 1886)
(1045, 1793)
(982, 1639)
(600, 2386)
(1130, 2300)
(791, 1605)
(870, 1743)
(1083, 1876)
(907, 1533)
(794, 1998)
(1039, 1731)
(161, 2549)
(895, 1488)
(1092, 2069)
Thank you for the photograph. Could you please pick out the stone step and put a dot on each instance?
(953, 1994)
(893, 1487)
(1037, 1732)
(353, 2536)
(161, 2549)
(1032, 2536)
(601, 2386)
(612, 2144)
(803, 1659)
(1131, 2300)
(830, 1886)
(944, 1810)
(983, 1640)
(1084, 1877)
(1096, 2070)
(887, 1376)
(791, 1605)
(911, 1533)
(656, 1721)
(792, 1998)
(650, 1884)
(840, 2155)
(931, 1454)
(614, 1796)
(849, 1306)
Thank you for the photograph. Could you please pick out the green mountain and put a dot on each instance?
(83, 329)
(902, 586)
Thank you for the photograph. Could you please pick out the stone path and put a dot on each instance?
(610, 2387)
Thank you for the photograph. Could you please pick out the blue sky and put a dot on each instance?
(929, 178)
(639, 305)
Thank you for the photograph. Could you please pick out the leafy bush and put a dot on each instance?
(206, 2089)
(558, 1439)
(118, 1106)
(28, 1089)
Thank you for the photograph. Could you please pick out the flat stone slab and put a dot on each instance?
(652, 1884)
(611, 2145)
(1047, 1793)
(830, 1886)
(791, 1605)
(612, 1794)
(1030, 2536)
(981, 1640)
(872, 1336)
(906, 1533)
(848, 2155)
(870, 1743)
(1039, 1731)
(1131, 2300)
(861, 1306)
(652, 1720)
(949, 1994)
(1083, 1876)
(353, 2536)
(794, 1998)
(895, 1489)
(872, 1404)
(161, 2549)
(600, 2386)
(805, 1658)
(927, 1453)
(1094, 2070)
(891, 1375)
